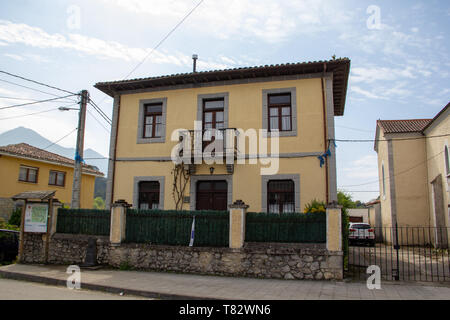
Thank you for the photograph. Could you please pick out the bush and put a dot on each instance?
(16, 217)
(315, 206)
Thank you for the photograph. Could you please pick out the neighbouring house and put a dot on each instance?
(297, 102)
(27, 168)
(358, 215)
(414, 171)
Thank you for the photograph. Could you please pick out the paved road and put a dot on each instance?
(200, 287)
(21, 290)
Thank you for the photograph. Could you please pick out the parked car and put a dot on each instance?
(361, 233)
(9, 245)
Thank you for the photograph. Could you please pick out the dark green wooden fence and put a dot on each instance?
(170, 227)
(84, 221)
(294, 227)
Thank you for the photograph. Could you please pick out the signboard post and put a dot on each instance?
(36, 217)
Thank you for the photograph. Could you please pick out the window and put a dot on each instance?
(151, 125)
(447, 161)
(213, 118)
(152, 120)
(280, 115)
(279, 111)
(280, 196)
(57, 178)
(148, 195)
(28, 174)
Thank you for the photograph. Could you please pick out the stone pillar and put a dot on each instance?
(334, 227)
(238, 211)
(54, 215)
(118, 222)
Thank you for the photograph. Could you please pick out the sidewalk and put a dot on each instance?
(188, 286)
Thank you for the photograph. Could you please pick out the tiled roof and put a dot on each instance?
(403, 126)
(25, 150)
(339, 67)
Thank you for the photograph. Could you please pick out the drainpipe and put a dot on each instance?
(325, 141)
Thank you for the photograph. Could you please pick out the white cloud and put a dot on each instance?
(365, 93)
(14, 56)
(372, 74)
(365, 167)
(262, 19)
(36, 37)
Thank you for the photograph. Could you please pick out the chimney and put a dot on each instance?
(195, 57)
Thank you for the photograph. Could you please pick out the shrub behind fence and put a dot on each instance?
(170, 227)
(292, 227)
(84, 221)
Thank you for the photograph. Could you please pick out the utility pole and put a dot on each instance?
(76, 188)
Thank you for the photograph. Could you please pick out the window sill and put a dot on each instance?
(151, 140)
(55, 185)
(27, 182)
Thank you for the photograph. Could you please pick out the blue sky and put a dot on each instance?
(399, 70)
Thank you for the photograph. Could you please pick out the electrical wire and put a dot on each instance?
(395, 175)
(37, 82)
(35, 102)
(28, 99)
(163, 39)
(37, 90)
(393, 139)
(53, 143)
(160, 42)
(100, 112)
(29, 114)
(98, 121)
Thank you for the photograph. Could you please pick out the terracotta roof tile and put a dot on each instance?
(26, 150)
(403, 126)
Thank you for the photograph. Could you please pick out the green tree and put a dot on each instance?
(99, 203)
(16, 217)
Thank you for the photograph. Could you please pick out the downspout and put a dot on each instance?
(115, 150)
(325, 131)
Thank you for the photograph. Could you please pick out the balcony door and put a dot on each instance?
(211, 195)
(213, 118)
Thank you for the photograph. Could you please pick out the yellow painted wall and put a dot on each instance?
(436, 163)
(10, 184)
(410, 182)
(385, 199)
(245, 111)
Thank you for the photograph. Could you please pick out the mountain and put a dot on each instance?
(22, 134)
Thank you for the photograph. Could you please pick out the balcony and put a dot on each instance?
(204, 146)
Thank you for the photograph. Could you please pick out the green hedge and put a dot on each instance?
(84, 221)
(291, 227)
(170, 227)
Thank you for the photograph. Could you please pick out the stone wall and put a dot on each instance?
(288, 261)
(63, 249)
(6, 208)
(268, 260)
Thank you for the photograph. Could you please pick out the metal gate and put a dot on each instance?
(403, 253)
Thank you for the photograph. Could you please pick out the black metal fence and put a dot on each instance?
(170, 227)
(295, 227)
(401, 253)
(84, 221)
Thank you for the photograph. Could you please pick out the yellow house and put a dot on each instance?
(27, 168)
(242, 113)
(414, 171)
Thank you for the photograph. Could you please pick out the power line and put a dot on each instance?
(28, 99)
(35, 102)
(60, 139)
(163, 39)
(29, 114)
(356, 129)
(160, 42)
(394, 139)
(20, 85)
(100, 112)
(37, 82)
(95, 118)
(395, 175)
